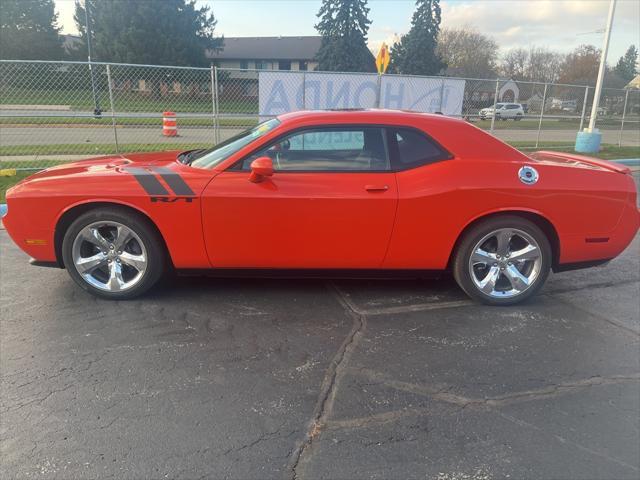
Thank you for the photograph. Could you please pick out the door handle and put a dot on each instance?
(376, 188)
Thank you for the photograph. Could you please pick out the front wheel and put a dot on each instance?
(502, 260)
(113, 253)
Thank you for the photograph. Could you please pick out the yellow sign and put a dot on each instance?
(382, 60)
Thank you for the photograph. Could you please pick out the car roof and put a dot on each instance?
(372, 116)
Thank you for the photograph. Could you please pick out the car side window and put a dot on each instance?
(327, 149)
(415, 149)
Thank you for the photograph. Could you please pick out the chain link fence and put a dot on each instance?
(52, 112)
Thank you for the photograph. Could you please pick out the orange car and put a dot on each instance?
(365, 193)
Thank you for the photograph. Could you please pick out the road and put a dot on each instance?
(259, 379)
(127, 135)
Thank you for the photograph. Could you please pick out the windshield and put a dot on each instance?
(499, 105)
(213, 156)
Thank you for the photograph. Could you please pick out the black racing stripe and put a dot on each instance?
(175, 181)
(148, 181)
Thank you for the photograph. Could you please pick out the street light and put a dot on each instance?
(97, 111)
(588, 141)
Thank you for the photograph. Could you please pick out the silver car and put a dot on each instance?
(503, 111)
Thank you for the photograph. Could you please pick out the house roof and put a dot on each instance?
(635, 83)
(71, 42)
(268, 48)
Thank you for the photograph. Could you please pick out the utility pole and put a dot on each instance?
(603, 64)
(97, 111)
(588, 141)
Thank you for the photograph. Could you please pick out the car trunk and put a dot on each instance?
(575, 160)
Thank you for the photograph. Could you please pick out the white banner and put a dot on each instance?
(281, 92)
(422, 94)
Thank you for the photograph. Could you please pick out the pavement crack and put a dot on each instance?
(443, 394)
(328, 389)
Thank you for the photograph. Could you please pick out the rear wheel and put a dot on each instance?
(502, 260)
(113, 253)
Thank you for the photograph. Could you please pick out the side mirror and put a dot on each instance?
(261, 168)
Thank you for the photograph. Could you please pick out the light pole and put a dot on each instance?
(588, 141)
(97, 111)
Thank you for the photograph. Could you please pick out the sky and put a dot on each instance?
(557, 24)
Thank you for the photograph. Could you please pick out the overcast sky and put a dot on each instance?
(557, 24)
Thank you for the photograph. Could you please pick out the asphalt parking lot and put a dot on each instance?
(209, 378)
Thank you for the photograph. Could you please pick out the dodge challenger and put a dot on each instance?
(338, 193)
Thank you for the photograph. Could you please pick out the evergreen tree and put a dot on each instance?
(29, 30)
(626, 66)
(162, 32)
(415, 53)
(344, 25)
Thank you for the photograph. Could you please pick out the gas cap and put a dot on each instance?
(528, 175)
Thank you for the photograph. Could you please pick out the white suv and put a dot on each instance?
(503, 111)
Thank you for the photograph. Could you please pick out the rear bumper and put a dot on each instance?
(599, 247)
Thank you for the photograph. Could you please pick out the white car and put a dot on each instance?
(503, 111)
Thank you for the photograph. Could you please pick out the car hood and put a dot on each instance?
(107, 165)
(156, 173)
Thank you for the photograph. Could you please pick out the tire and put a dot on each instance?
(119, 253)
(518, 118)
(476, 262)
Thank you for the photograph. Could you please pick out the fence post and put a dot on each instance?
(304, 92)
(379, 91)
(113, 110)
(544, 100)
(495, 102)
(624, 111)
(216, 105)
(213, 102)
(441, 96)
(584, 107)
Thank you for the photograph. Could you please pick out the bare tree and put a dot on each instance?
(544, 65)
(515, 64)
(536, 64)
(581, 66)
(467, 53)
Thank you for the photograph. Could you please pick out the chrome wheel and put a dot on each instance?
(505, 263)
(109, 256)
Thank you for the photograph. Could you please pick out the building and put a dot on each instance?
(634, 84)
(268, 53)
(71, 43)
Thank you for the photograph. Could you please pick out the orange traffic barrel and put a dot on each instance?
(169, 124)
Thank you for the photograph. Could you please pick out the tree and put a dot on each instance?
(29, 30)
(534, 65)
(626, 66)
(163, 32)
(581, 66)
(515, 64)
(344, 25)
(467, 53)
(415, 53)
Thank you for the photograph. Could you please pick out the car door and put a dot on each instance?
(330, 203)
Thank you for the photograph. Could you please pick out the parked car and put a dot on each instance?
(564, 105)
(503, 111)
(365, 193)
